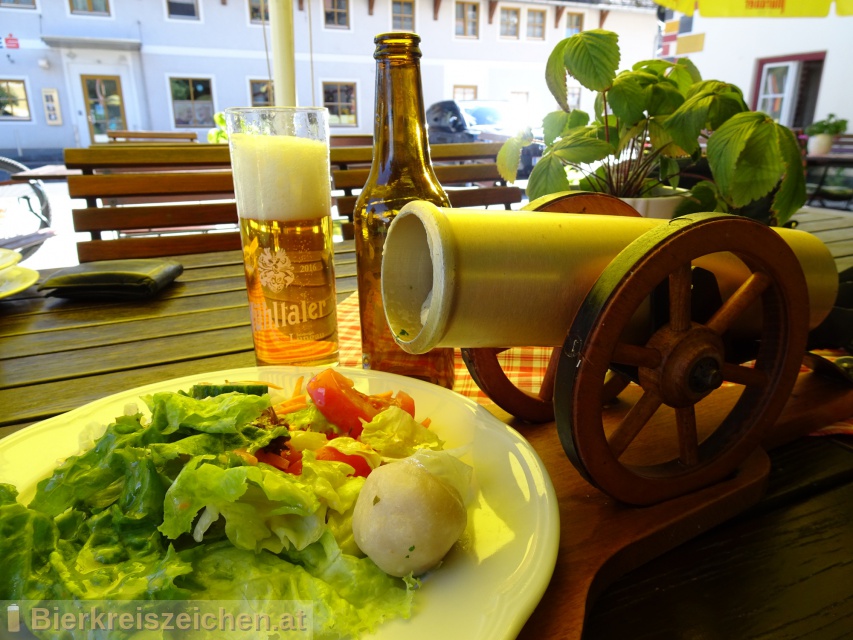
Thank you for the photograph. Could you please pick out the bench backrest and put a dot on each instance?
(147, 136)
(176, 199)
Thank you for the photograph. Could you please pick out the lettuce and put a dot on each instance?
(395, 434)
(101, 526)
(217, 414)
(262, 507)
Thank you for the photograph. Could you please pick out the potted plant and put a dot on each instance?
(652, 124)
(822, 133)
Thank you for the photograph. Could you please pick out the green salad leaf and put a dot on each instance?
(172, 509)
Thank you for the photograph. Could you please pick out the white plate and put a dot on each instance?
(490, 581)
(15, 279)
(8, 258)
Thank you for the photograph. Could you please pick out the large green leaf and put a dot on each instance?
(744, 157)
(548, 176)
(656, 66)
(555, 75)
(627, 98)
(578, 118)
(708, 105)
(580, 147)
(509, 157)
(663, 98)
(554, 125)
(792, 191)
(592, 58)
(685, 74)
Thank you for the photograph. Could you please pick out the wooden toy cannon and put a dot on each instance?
(687, 309)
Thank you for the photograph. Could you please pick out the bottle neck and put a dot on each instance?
(400, 135)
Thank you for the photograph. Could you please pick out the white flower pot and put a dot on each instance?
(820, 144)
(661, 206)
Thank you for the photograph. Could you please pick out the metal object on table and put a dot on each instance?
(603, 275)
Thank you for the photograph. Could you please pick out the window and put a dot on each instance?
(101, 7)
(786, 87)
(255, 15)
(467, 19)
(464, 92)
(339, 99)
(509, 23)
(186, 9)
(535, 24)
(573, 97)
(262, 95)
(337, 13)
(403, 14)
(192, 102)
(574, 23)
(21, 4)
(13, 100)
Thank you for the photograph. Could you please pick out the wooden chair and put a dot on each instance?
(149, 201)
(148, 136)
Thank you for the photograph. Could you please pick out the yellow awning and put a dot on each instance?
(760, 8)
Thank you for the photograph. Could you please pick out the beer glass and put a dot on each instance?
(280, 163)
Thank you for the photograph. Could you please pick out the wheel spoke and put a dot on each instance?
(679, 298)
(633, 423)
(688, 439)
(747, 376)
(614, 384)
(635, 356)
(546, 391)
(740, 300)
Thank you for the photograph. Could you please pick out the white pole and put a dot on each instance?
(283, 56)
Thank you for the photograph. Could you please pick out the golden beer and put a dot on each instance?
(282, 187)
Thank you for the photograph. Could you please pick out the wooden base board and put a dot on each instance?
(601, 539)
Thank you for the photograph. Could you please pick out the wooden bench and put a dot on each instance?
(175, 199)
(467, 171)
(830, 178)
(148, 136)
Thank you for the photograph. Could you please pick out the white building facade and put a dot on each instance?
(798, 70)
(72, 69)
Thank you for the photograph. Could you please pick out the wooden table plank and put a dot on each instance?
(66, 315)
(53, 342)
(123, 357)
(28, 404)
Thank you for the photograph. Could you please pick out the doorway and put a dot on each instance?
(104, 106)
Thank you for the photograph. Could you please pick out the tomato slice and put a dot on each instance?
(339, 402)
(357, 462)
(344, 406)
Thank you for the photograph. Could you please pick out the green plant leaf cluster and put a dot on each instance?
(649, 125)
(830, 126)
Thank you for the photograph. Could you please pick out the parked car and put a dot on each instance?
(481, 121)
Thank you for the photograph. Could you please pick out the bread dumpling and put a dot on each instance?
(407, 518)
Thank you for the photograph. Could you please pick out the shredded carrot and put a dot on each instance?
(291, 405)
(426, 422)
(384, 394)
(248, 457)
(297, 388)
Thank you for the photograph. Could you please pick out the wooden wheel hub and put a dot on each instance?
(690, 365)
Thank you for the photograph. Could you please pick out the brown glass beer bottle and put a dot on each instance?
(401, 172)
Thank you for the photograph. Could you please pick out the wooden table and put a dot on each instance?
(783, 569)
(827, 162)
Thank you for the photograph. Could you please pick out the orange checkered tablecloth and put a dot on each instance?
(525, 367)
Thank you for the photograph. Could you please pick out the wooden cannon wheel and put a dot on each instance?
(483, 363)
(683, 361)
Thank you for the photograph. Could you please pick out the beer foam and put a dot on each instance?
(280, 177)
